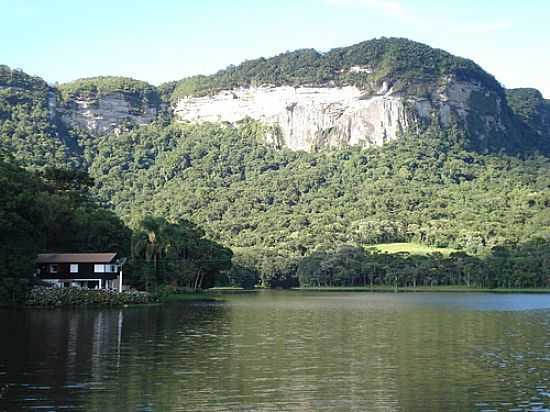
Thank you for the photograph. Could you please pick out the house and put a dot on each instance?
(83, 270)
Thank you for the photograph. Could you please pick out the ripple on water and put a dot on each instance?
(286, 351)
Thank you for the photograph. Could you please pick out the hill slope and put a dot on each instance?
(464, 165)
(365, 65)
(432, 185)
(247, 195)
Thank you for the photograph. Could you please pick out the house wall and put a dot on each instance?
(85, 271)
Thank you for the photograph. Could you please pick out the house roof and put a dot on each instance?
(75, 257)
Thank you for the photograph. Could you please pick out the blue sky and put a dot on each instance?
(161, 40)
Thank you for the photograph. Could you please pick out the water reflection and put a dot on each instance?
(284, 351)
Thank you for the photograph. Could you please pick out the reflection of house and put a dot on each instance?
(85, 270)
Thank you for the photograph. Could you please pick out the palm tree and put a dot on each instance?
(150, 243)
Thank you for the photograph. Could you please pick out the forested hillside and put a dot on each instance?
(429, 190)
(105, 85)
(27, 128)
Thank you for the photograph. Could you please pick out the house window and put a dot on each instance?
(99, 268)
(74, 267)
(53, 268)
(113, 268)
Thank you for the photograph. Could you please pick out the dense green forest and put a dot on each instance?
(278, 207)
(429, 190)
(26, 126)
(531, 108)
(197, 205)
(45, 212)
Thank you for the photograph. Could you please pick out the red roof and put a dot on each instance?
(75, 257)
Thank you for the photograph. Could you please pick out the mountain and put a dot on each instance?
(29, 127)
(366, 94)
(464, 162)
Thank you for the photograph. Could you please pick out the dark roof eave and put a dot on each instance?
(76, 257)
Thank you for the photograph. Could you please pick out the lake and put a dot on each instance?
(284, 351)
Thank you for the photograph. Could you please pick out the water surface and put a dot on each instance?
(277, 351)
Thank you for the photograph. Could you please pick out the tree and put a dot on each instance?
(177, 253)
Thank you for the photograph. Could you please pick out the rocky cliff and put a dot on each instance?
(308, 118)
(107, 104)
(105, 114)
(304, 118)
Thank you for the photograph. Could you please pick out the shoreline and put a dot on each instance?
(217, 295)
(384, 289)
(425, 290)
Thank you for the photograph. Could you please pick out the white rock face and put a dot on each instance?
(310, 118)
(306, 117)
(106, 114)
(52, 105)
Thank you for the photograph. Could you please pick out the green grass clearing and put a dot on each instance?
(412, 248)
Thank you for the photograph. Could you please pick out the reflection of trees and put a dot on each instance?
(286, 351)
(371, 352)
(305, 355)
(442, 359)
(61, 350)
(107, 359)
(164, 351)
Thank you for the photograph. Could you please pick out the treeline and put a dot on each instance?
(138, 93)
(522, 266)
(51, 211)
(409, 64)
(19, 79)
(46, 212)
(531, 108)
(175, 254)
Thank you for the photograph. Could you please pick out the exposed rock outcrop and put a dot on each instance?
(106, 113)
(307, 118)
